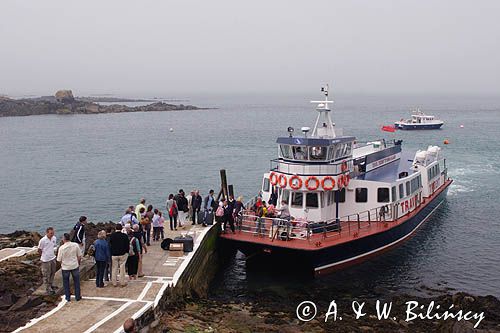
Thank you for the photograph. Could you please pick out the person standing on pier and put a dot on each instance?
(172, 212)
(102, 256)
(133, 256)
(119, 254)
(69, 256)
(128, 218)
(79, 233)
(209, 205)
(142, 204)
(144, 249)
(196, 202)
(182, 206)
(156, 225)
(46, 249)
(147, 225)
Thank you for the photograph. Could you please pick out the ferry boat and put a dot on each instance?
(419, 120)
(341, 200)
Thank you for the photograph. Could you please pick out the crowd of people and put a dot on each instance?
(119, 253)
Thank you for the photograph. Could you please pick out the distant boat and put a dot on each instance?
(419, 120)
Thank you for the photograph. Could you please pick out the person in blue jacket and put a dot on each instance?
(102, 257)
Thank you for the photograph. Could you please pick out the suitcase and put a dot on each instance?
(187, 241)
(176, 250)
(206, 217)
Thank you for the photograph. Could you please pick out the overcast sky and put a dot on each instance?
(174, 47)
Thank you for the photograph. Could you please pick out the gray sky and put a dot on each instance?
(174, 47)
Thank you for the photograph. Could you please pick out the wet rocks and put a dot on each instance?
(19, 238)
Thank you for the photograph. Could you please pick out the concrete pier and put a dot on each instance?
(166, 277)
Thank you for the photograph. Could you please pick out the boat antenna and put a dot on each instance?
(324, 126)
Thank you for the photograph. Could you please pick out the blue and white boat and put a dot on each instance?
(419, 121)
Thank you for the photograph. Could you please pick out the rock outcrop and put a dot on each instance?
(64, 103)
(64, 96)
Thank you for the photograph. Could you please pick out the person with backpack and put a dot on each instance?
(128, 218)
(219, 213)
(102, 255)
(133, 256)
(146, 225)
(172, 212)
(78, 234)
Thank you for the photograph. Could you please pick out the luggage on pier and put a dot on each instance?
(187, 241)
(206, 217)
(165, 244)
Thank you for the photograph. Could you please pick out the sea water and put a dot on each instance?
(55, 168)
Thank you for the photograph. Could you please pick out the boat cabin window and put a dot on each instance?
(361, 194)
(414, 185)
(297, 199)
(285, 151)
(285, 196)
(383, 194)
(401, 191)
(408, 188)
(393, 193)
(331, 153)
(312, 200)
(299, 152)
(266, 185)
(318, 153)
(341, 195)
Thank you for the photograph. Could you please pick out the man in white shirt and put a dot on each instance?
(46, 248)
(69, 256)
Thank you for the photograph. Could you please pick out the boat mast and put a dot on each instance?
(324, 126)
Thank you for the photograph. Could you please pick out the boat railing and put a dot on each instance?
(301, 229)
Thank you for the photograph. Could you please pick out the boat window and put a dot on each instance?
(331, 152)
(348, 149)
(312, 200)
(383, 194)
(265, 185)
(285, 196)
(393, 194)
(299, 152)
(317, 153)
(401, 191)
(408, 188)
(413, 185)
(361, 194)
(322, 196)
(338, 152)
(297, 198)
(285, 151)
(341, 195)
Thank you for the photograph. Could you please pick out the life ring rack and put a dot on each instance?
(295, 185)
(311, 187)
(332, 182)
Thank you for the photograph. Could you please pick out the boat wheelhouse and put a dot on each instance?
(419, 120)
(334, 200)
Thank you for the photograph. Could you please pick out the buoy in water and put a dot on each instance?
(171, 129)
(461, 126)
(446, 141)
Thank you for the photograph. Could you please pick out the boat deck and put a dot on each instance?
(349, 231)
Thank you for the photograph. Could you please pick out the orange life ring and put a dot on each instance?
(347, 178)
(343, 167)
(308, 183)
(332, 181)
(282, 184)
(273, 178)
(340, 182)
(295, 185)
